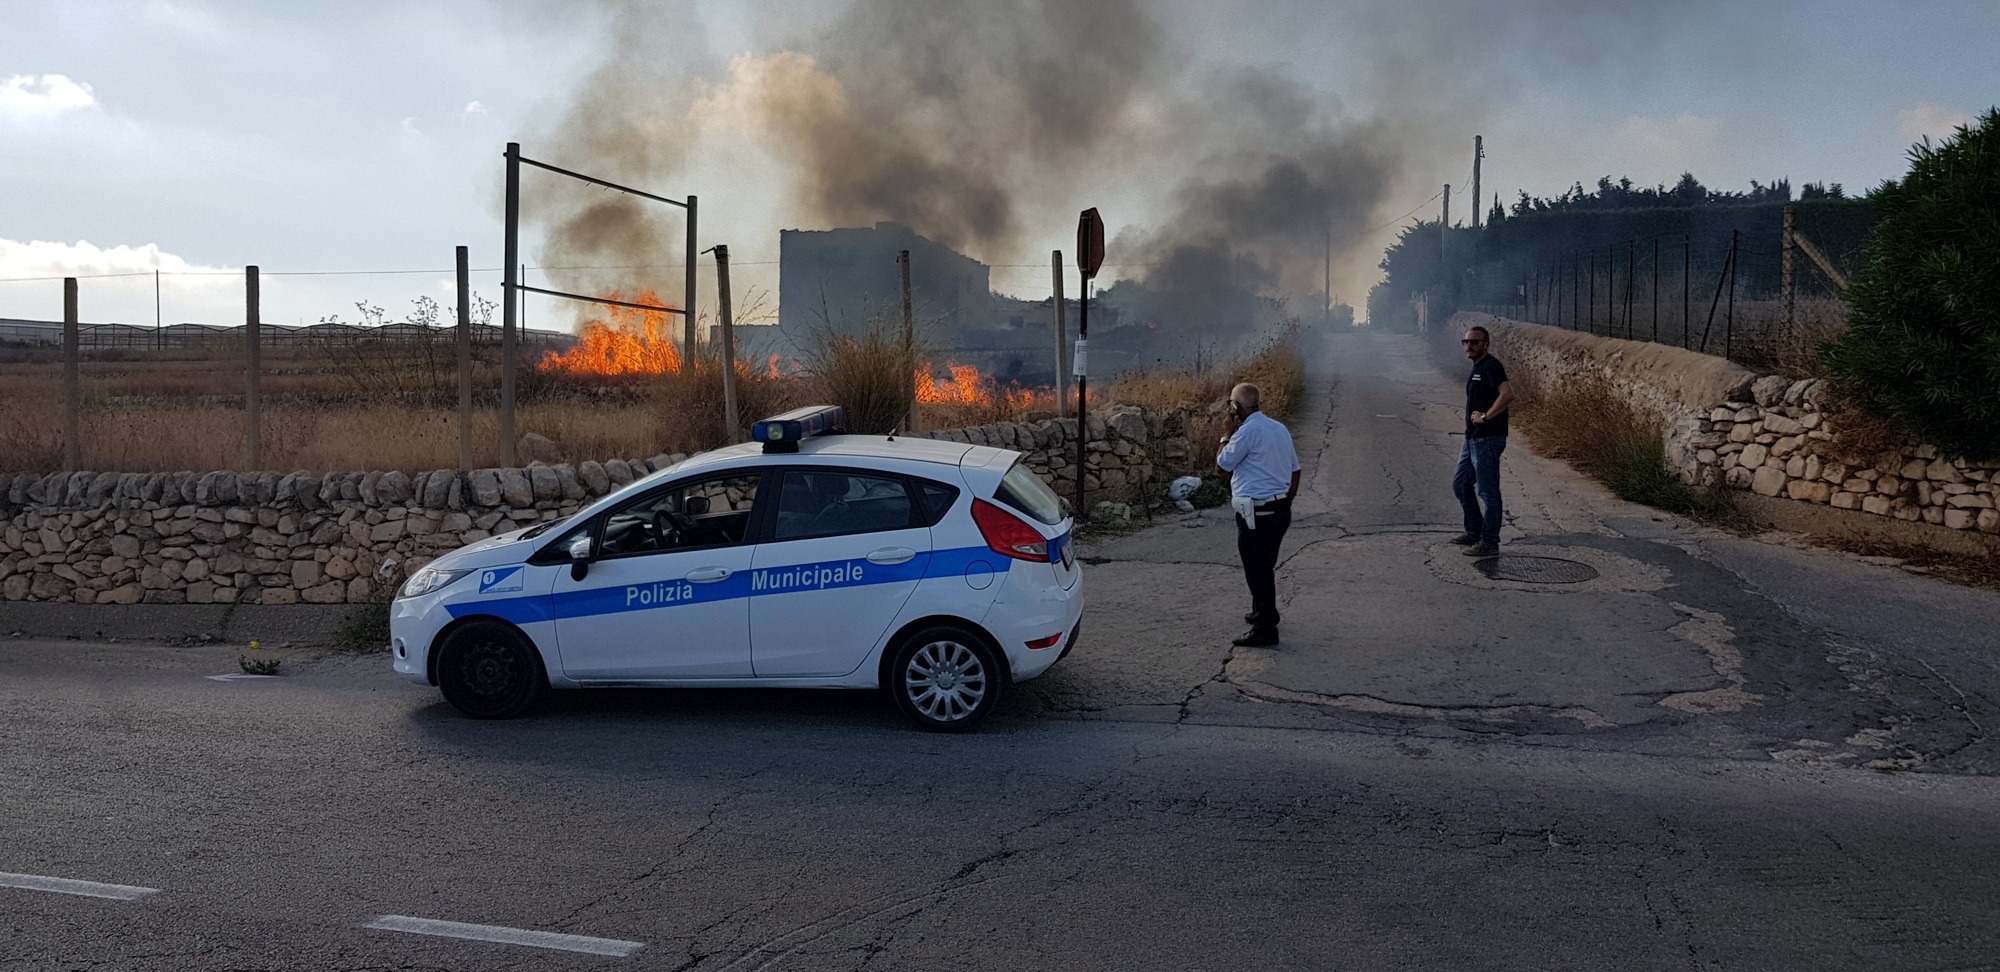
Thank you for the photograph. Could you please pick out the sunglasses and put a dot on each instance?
(1472, 341)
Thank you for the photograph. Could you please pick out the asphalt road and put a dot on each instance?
(1716, 753)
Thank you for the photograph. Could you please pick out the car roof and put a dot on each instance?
(840, 446)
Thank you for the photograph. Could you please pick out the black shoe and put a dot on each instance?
(1481, 550)
(1256, 639)
(1465, 540)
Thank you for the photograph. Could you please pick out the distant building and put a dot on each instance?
(845, 277)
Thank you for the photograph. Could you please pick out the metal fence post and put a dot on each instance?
(688, 314)
(508, 338)
(72, 382)
(729, 415)
(1062, 376)
(1729, 324)
(464, 360)
(253, 412)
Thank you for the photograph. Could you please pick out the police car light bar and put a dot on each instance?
(781, 433)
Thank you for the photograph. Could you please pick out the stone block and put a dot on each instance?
(515, 490)
(386, 532)
(1970, 501)
(103, 487)
(595, 480)
(50, 587)
(393, 487)
(122, 594)
(1960, 519)
(331, 592)
(358, 590)
(619, 472)
(1877, 504)
(278, 595)
(1845, 500)
(1988, 521)
(1943, 471)
(1781, 425)
(543, 482)
(567, 484)
(1769, 390)
(1753, 456)
(440, 487)
(485, 487)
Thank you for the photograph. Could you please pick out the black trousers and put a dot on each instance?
(1259, 550)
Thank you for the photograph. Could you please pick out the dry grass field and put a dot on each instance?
(351, 409)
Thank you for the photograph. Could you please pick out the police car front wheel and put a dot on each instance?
(945, 678)
(488, 670)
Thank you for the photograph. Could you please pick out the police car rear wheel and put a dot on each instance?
(945, 678)
(489, 671)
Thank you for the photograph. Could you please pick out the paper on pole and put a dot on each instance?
(1079, 359)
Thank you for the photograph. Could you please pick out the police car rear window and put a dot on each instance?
(1025, 491)
(937, 499)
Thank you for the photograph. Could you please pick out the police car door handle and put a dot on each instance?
(708, 575)
(891, 555)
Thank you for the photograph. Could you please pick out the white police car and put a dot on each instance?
(805, 559)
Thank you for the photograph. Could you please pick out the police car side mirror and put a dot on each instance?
(579, 557)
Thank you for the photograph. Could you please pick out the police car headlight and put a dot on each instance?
(430, 579)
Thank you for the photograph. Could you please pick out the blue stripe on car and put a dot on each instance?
(756, 582)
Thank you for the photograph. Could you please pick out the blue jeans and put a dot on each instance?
(1478, 482)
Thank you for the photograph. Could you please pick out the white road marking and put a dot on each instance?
(91, 889)
(505, 935)
(237, 677)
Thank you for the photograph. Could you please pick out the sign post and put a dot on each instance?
(1089, 257)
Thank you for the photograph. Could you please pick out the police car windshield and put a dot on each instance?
(1025, 491)
(543, 527)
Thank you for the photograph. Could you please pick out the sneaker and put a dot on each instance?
(1481, 550)
(1256, 639)
(1465, 540)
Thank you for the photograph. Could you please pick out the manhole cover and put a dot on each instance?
(1535, 570)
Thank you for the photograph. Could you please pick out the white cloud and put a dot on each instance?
(83, 259)
(1935, 121)
(44, 93)
(474, 108)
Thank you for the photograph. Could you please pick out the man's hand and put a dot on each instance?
(1479, 418)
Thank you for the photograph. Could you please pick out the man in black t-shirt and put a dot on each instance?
(1477, 482)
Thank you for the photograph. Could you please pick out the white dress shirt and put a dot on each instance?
(1259, 458)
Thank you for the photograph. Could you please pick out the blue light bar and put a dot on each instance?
(781, 433)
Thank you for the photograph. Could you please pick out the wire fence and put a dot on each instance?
(1747, 302)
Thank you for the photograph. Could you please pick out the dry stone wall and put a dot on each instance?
(332, 538)
(1728, 427)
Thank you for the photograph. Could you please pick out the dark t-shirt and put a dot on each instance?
(1482, 389)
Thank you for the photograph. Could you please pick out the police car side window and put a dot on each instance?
(831, 503)
(937, 500)
(705, 513)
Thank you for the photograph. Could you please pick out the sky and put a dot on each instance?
(319, 141)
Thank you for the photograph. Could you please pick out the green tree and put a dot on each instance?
(1922, 346)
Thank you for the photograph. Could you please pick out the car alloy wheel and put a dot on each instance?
(946, 679)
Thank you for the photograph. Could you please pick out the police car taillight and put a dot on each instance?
(1008, 534)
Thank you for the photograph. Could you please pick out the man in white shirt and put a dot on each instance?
(1263, 477)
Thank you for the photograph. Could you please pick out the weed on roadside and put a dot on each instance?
(258, 666)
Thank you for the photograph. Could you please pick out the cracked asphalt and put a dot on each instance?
(1718, 753)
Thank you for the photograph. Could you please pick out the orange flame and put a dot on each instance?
(634, 342)
(968, 387)
(771, 366)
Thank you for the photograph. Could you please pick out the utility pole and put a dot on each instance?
(464, 360)
(253, 312)
(1444, 242)
(1062, 340)
(72, 381)
(729, 416)
(687, 352)
(1089, 257)
(508, 315)
(1329, 276)
(909, 344)
(1478, 153)
(159, 335)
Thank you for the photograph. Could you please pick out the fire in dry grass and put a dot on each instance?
(632, 342)
(967, 386)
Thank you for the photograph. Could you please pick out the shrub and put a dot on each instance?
(1923, 341)
(866, 371)
(1605, 438)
